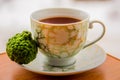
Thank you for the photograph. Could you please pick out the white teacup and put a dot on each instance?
(60, 42)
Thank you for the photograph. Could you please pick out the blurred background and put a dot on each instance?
(15, 17)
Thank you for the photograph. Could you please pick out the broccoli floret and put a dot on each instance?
(21, 48)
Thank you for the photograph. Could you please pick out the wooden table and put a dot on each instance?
(110, 70)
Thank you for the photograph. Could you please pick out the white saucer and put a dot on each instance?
(87, 59)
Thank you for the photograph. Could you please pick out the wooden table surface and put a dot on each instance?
(110, 70)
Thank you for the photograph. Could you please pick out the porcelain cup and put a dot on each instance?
(61, 42)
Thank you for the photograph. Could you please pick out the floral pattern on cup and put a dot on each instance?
(60, 41)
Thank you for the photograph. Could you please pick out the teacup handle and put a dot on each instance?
(103, 32)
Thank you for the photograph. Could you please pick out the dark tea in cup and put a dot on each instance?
(59, 20)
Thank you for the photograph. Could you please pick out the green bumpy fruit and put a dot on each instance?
(21, 48)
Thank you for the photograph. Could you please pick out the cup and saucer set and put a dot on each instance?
(63, 46)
